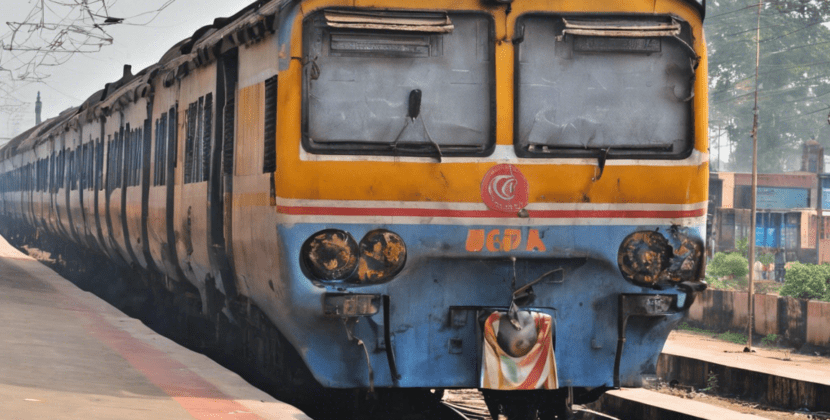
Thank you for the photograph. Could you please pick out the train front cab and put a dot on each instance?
(437, 142)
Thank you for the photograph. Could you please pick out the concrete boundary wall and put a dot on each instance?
(798, 322)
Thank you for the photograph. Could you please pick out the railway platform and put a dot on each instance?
(769, 376)
(775, 376)
(66, 354)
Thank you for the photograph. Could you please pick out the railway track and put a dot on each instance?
(469, 404)
(643, 404)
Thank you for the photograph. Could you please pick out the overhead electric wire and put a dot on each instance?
(752, 6)
(803, 115)
(53, 31)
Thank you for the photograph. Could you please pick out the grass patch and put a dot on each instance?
(732, 337)
(686, 327)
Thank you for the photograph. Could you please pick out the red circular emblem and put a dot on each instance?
(504, 188)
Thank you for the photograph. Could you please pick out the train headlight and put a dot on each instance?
(382, 256)
(330, 254)
(651, 259)
(643, 257)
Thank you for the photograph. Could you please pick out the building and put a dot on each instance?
(787, 209)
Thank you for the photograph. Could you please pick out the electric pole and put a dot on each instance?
(751, 291)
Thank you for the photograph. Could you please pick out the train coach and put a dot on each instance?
(503, 195)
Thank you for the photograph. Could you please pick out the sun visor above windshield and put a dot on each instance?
(621, 29)
(390, 21)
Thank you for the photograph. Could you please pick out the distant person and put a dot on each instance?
(780, 271)
(758, 268)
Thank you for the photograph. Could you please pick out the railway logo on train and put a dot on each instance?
(504, 189)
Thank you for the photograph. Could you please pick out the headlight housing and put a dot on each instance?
(650, 259)
(334, 255)
(330, 254)
(382, 256)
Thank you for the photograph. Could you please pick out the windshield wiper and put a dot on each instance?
(413, 113)
(602, 152)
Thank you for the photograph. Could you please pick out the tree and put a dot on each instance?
(794, 72)
(806, 281)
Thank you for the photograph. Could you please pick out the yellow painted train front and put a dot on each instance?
(505, 195)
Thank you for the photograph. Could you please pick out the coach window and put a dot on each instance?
(398, 83)
(609, 88)
(160, 166)
(99, 166)
(269, 160)
(73, 170)
(198, 141)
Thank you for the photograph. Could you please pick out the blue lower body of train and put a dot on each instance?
(429, 319)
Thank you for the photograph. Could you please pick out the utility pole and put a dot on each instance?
(751, 292)
(718, 147)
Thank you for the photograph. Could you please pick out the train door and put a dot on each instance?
(98, 187)
(115, 199)
(220, 184)
(161, 236)
(134, 193)
(197, 121)
(255, 244)
(59, 193)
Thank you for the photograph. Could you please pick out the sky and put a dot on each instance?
(139, 42)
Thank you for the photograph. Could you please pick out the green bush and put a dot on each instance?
(770, 340)
(733, 264)
(806, 281)
(766, 259)
(716, 283)
(742, 245)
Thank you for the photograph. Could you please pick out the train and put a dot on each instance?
(405, 196)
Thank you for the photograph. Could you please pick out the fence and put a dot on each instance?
(796, 321)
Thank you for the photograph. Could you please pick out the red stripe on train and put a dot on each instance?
(540, 214)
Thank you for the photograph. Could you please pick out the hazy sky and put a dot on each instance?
(140, 46)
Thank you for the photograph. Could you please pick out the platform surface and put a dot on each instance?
(765, 359)
(681, 407)
(65, 354)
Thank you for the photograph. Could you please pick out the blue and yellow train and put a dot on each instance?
(498, 194)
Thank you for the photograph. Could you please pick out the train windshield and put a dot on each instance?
(398, 83)
(615, 88)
